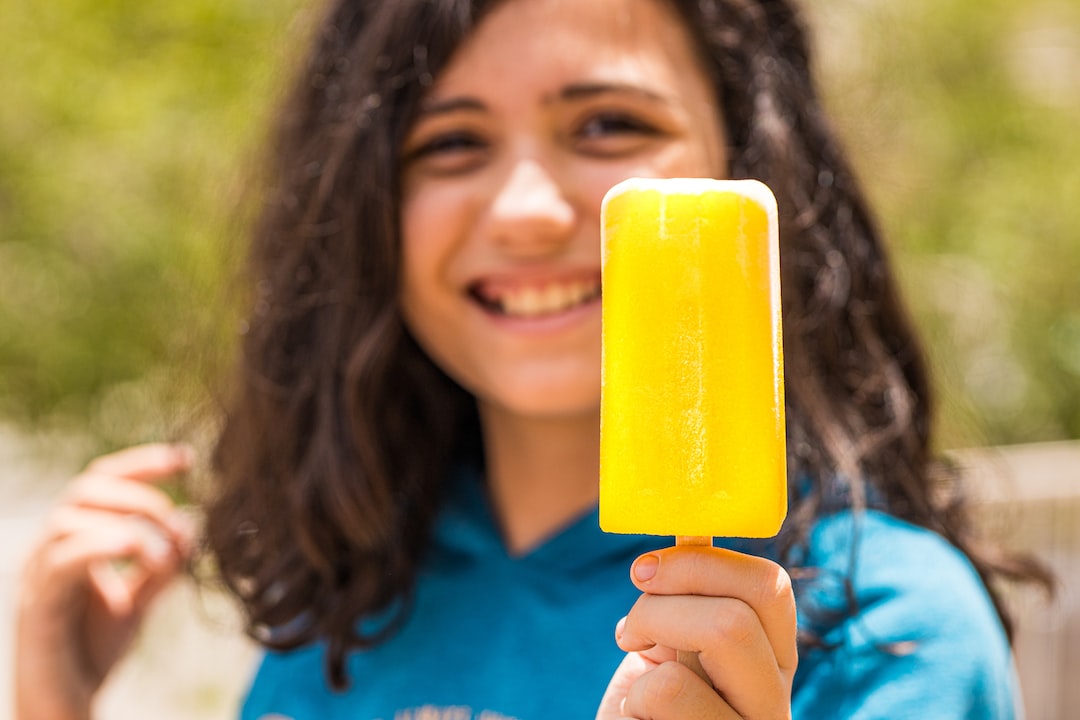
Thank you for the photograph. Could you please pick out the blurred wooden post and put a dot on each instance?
(1030, 495)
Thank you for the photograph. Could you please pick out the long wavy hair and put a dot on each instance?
(339, 429)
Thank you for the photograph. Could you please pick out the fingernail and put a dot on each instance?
(157, 548)
(619, 627)
(185, 454)
(645, 568)
(183, 523)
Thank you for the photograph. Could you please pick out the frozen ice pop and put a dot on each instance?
(692, 403)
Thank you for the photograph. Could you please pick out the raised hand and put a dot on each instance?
(109, 547)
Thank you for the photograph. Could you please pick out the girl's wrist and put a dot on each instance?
(47, 706)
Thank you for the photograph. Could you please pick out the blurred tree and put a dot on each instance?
(127, 131)
(964, 118)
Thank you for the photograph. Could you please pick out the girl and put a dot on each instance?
(407, 472)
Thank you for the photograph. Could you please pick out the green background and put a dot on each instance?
(129, 130)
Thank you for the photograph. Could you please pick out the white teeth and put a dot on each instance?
(578, 292)
(526, 302)
(554, 298)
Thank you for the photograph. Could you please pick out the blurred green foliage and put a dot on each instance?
(125, 135)
(127, 131)
(964, 117)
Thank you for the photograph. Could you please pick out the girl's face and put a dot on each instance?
(545, 107)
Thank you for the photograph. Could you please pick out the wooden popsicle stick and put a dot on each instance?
(688, 658)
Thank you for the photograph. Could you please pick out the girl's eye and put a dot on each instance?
(609, 124)
(448, 143)
(448, 152)
(614, 134)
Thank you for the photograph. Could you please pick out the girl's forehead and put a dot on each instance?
(550, 24)
(519, 38)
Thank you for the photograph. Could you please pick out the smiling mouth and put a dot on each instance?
(536, 301)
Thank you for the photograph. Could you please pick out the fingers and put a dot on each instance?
(651, 685)
(121, 557)
(732, 646)
(106, 551)
(123, 483)
(633, 666)
(110, 515)
(761, 584)
(156, 461)
(736, 611)
(126, 587)
(119, 495)
(673, 692)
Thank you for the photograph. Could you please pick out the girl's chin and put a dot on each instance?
(543, 406)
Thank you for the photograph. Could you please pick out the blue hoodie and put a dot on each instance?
(495, 637)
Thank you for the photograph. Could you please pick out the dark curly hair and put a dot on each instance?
(340, 429)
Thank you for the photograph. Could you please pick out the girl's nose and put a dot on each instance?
(530, 213)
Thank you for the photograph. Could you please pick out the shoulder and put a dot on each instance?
(888, 560)
(900, 625)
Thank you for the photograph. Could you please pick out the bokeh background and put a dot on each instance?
(964, 118)
(130, 134)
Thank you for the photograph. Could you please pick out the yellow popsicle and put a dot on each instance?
(692, 407)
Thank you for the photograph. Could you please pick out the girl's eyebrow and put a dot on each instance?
(449, 105)
(574, 91)
(582, 91)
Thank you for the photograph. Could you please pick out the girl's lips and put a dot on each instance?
(536, 297)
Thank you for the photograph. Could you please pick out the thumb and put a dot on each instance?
(633, 666)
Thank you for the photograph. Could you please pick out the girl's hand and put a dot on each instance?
(109, 548)
(737, 611)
